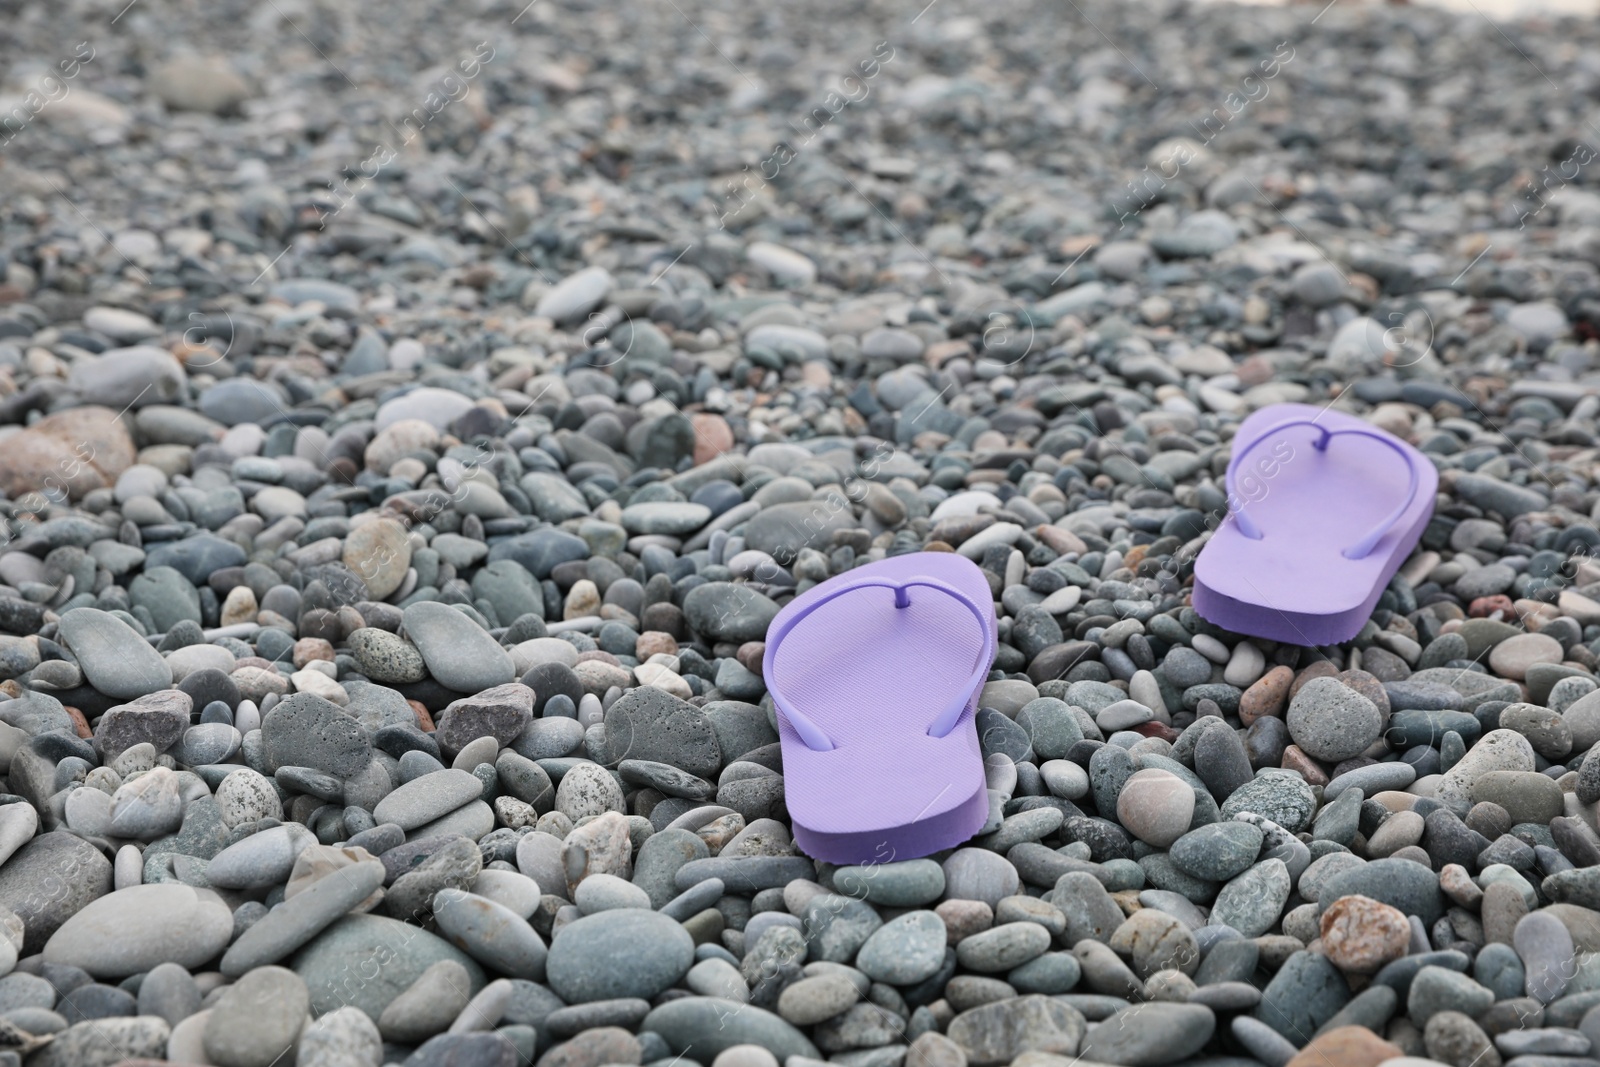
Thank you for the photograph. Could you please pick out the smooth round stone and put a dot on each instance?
(256, 1019)
(366, 961)
(906, 884)
(665, 517)
(432, 796)
(1185, 667)
(978, 874)
(135, 929)
(1513, 657)
(1217, 852)
(1065, 779)
(1332, 722)
(490, 933)
(606, 892)
(1003, 947)
(615, 954)
(576, 295)
(1155, 1032)
(905, 950)
(1436, 989)
(261, 859)
(1123, 715)
(1545, 947)
(116, 660)
(429, 1005)
(1156, 806)
(459, 654)
(1252, 901)
(811, 1000)
(206, 744)
(148, 806)
(1372, 779)
(588, 789)
(379, 552)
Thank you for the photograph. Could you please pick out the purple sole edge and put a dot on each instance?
(870, 847)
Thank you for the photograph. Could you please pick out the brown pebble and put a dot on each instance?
(1345, 1046)
(79, 723)
(963, 918)
(655, 643)
(1502, 908)
(1267, 696)
(424, 718)
(308, 649)
(1360, 935)
(1295, 759)
(750, 655)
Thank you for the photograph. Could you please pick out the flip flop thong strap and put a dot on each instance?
(812, 734)
(1362, 548)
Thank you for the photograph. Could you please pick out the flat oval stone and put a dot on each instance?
(906, 884)
(458, 652)
(115, 659)
(133, 930)
(614, 954)
(905, 950)
(490, 933)
(432, 796)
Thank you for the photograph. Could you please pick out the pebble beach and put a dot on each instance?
(412, 417)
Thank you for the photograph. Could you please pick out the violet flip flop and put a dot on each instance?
(1324, 508)
(874, 676)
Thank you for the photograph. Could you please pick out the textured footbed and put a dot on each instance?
(1294, 585)
(872, 677)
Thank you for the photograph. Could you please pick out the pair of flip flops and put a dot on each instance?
(875, 674)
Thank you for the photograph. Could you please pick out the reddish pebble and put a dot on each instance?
(79, 723)
(1267, 696)
(424, 717)
(1157, 729)
(655, 643)
(963, 918)
(1488, 607)
(750, 654)
(1294, 759)
(308, 649)
(1346, 1046)
(712, 437)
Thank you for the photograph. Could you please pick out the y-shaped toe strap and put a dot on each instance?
(812, 734)
(1361, 548)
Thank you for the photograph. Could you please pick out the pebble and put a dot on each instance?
(1331, 721)
(457, 652)
(620, 953)
(138, 928)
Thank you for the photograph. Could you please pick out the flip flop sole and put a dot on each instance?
(873, 677)
(1294, 583)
